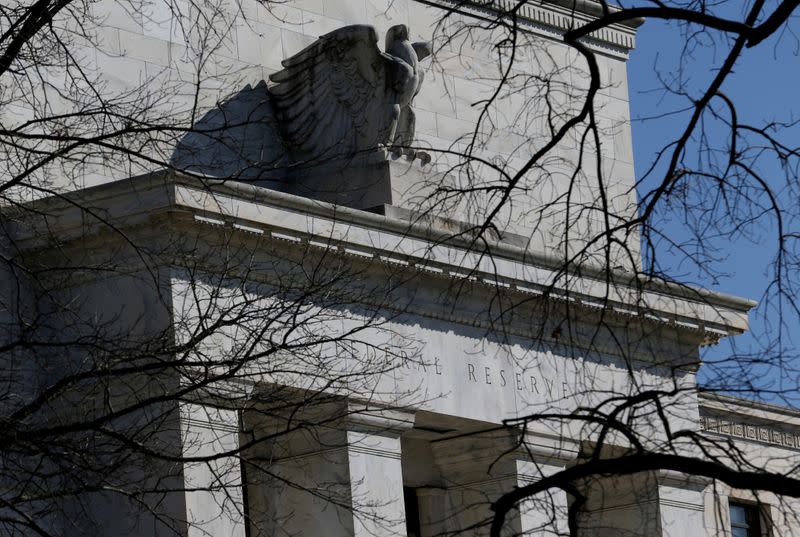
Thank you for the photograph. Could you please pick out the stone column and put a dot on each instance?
(337, 472)
(647, 504)
(376, 477)
(478, 469)
(681, 504)
(213, 494)
(545, 514)
(619, 506)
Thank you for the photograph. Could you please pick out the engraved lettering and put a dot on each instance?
(471, 372)
(534, 387)
(404, 360)
(502, 377)
(565, 388)
(550, 385)
(437, 366)
(486, 371)
(519, 381)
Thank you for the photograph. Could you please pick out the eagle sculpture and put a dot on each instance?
(341, 97)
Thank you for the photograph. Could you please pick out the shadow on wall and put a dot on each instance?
(238, 140)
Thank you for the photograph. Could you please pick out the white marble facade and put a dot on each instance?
(425, 386)
(443, 344)
(186, 64)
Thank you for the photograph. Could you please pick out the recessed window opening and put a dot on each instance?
(745, 520)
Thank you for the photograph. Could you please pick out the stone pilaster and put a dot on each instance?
(477, 469)
(647, 504)
(376, 477)
(340, 479)
(681, 504)
(213, 495)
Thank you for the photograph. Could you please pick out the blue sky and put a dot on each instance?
(765, 86)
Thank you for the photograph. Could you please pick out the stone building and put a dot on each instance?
(351, 340)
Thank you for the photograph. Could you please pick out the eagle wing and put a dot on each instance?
(329, 97)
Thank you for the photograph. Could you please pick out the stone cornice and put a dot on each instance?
(551, 17)
(254, 211)
(740, 406)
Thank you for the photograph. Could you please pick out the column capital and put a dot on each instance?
(373, 419)
(553, 449)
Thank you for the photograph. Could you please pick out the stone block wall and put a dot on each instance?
(167, 63)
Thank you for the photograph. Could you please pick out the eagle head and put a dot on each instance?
(396, 33)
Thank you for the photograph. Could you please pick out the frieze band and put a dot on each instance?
(758, 433)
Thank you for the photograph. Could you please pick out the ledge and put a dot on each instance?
(254, 210)
(552, 15)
